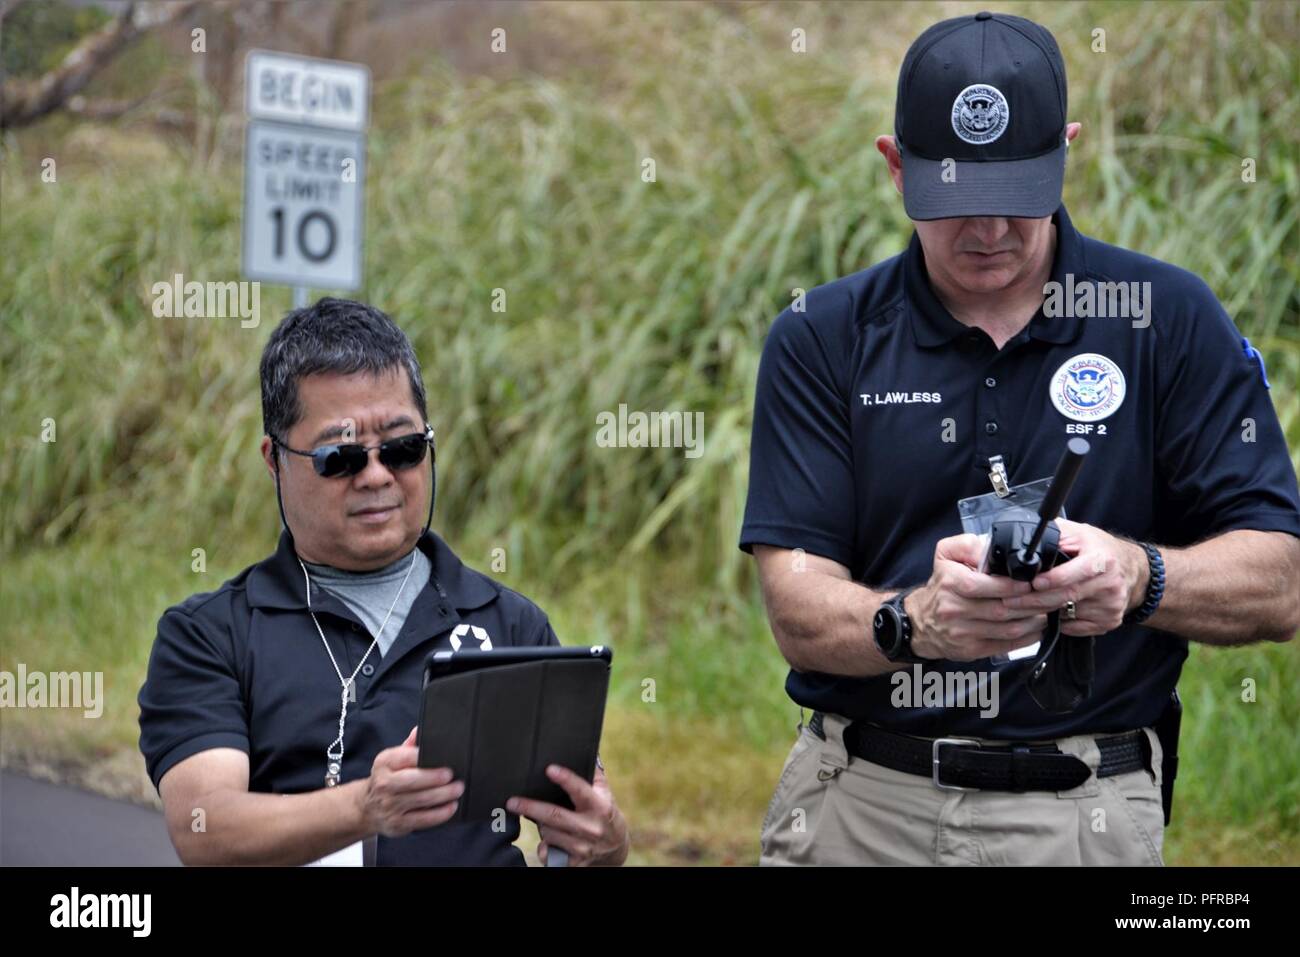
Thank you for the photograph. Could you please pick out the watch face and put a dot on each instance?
(886, 627)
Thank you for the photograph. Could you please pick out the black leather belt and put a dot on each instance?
(963, 764)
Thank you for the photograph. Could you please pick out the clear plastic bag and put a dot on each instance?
(979, 512)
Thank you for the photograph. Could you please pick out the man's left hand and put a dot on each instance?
(1105, 577)
(593, 833)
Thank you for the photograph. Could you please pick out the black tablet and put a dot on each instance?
(498, 718)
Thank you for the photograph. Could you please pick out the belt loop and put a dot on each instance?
(1019, 777)
(1084, 747)
(834, 755)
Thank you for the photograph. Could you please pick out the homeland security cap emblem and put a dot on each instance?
(1087, 388)
(980, 114)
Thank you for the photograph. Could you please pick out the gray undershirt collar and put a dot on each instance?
(370, 594)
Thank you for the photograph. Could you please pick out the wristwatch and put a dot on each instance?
(892, 629)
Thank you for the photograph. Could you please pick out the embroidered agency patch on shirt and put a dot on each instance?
(1087, 387)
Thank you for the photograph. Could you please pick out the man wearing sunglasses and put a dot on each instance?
(277, 718)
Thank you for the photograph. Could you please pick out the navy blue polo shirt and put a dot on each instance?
(876, 411)
(243, 667)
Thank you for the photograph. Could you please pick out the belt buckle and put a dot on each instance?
(934, 771)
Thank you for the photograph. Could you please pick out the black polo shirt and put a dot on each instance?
(243, 667)
(857, 394)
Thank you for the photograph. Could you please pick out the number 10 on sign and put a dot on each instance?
(304, 194)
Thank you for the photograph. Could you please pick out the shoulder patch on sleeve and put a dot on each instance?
(1253, 353)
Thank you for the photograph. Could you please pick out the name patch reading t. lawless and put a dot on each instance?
(898, 398)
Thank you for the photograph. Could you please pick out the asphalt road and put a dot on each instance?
(44, 824)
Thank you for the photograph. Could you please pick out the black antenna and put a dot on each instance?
(1067, 470)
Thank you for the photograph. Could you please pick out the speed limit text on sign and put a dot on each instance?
(304, 192)
(304, 170)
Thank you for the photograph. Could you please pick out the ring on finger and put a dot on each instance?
(1069, 611)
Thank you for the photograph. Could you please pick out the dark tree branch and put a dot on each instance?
(24, 102)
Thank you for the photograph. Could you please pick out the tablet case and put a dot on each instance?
(498, 718)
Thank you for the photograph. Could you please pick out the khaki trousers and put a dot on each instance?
(833, 808)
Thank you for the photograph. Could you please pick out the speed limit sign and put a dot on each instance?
(304, 171)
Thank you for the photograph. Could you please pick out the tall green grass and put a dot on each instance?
(617, 290)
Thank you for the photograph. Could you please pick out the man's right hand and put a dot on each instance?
(400, 797)
(958, 615)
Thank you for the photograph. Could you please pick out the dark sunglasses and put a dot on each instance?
(332, 461)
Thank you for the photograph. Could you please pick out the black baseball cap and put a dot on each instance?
(986, 93)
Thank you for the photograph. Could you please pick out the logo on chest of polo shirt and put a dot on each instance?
(980, 114)
(479, 634)
(1087, 387)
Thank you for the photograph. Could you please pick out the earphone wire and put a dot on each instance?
(346, 684)
(334, 762)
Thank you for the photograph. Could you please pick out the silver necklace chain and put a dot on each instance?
(334, 761)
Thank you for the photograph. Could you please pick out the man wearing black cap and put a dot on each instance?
(961, 368)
